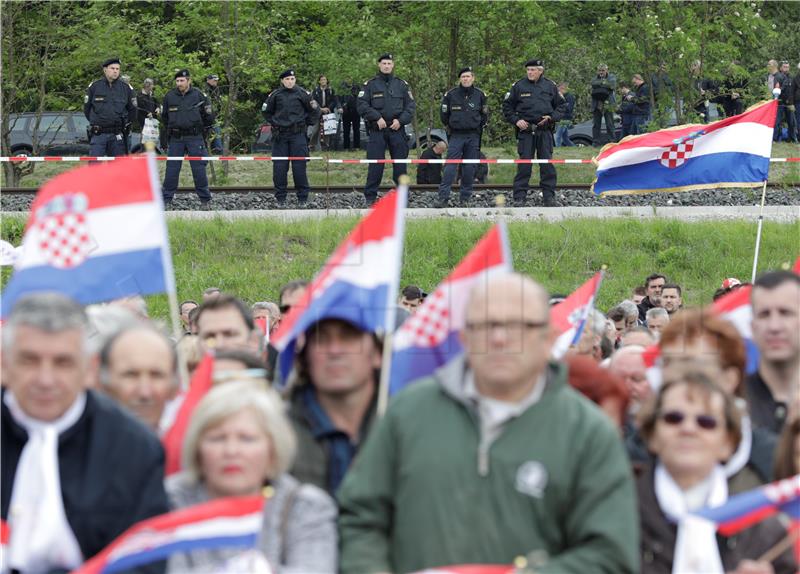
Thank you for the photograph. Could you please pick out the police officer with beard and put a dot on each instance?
(110, 107)
(290, 110)
(534, 106)
(386, 104)
(188, 116)
(464, 113)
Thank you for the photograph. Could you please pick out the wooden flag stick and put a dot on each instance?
(781, 547)
(758, 233)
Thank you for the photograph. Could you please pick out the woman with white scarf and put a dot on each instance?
(692, 427)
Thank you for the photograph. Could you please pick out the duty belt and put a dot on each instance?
(97, 130)
(295, 129)
(181, 132)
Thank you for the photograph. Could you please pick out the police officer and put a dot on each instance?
(534, 106)
(188, 116)
(464, 112)
(110, 107)
(386, 104)
(290, 110)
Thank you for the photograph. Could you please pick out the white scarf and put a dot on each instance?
(742, 455)
(40, 536)
(696, 547)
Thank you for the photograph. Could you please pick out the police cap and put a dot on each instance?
(386, 56)
(111, 61)
(534, 62)
(182, 74)
(212, 77)
(464, 70)
(286, 73)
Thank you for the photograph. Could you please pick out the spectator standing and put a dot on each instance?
(627, 364)
(562, 132)
(351, 121)
(733, 87)
(327, 102)
(472, 432)
(652, 286)
(146, 103)
(772, 71)
(110, 106)
(333, 400)
(534, 107)
(431, 172)
(387, 105)
(671, 298)
(411, 297)
(225, 322)
(69, 455)
(656, 319)
(187, 114)
(626, 109)
(464, 113)
(185, 308)
(290, 110)
(213, 93)
(603, 102)
(704, 90)
(641, 102)
(795, 107)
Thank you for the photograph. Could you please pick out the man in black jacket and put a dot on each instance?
(603, 103)
(464, 113)
(110, 107)
(351, 121)
(328, 103)
(77, 470)
(387, 105)
(188, 116)
(534, 107)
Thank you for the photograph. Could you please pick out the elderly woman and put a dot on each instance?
(239, 442)
(692, 427)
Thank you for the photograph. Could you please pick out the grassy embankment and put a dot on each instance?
(254, 258)
(320, 173)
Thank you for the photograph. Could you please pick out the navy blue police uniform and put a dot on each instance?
(188, 116)
(385, 96)
(531, 101)
(110, 107)
(464, 113)
(290, 112)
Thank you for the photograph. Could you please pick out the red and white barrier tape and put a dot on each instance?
(23, 158)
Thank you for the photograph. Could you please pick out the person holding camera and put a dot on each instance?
(110, 107)
(534, 106)
(603, 101)
(188, 116)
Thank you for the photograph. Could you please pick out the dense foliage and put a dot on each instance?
(52, 50)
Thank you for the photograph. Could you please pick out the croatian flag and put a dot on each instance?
(733, 152)
(748, 508)
(220, 523)
(358, 284)
(96, 233)
(735, 307)
(568, 318)
(430, 337)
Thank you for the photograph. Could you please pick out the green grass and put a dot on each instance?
(320, 173)
(254, 258)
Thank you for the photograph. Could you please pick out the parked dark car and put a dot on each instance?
(59, 133)
(263, 138)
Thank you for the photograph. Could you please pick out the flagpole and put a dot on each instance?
(758, 233)
(169, 273)
(791, 537)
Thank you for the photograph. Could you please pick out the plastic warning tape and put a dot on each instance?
(23, 158)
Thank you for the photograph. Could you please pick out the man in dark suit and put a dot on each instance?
(77, 470)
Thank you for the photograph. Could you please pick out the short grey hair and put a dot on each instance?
(656, 312)
(258, 305)
(49, 312)
(231, 398)
(629, 308)
(596, 321)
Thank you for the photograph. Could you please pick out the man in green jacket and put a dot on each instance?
(492, 459)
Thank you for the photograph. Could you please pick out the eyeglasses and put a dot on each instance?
(675, 418)
(510, 327)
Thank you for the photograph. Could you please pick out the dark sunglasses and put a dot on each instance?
(285, 308)
(706, 422)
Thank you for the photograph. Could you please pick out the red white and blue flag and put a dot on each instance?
(96, 233)
(733, 152)
(743, 510)
(429, 338)
(568, 318)
(358, 284)
(736, 308)
(220, 523)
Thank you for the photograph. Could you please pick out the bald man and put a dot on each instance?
(137, 369)
(493, 457)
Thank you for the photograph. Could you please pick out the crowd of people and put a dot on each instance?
(583, 463)
(540, 112)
